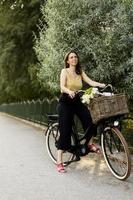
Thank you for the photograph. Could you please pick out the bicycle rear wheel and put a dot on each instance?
(51, 144)
(116, 153)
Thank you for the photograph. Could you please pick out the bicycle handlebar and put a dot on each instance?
(107, 89)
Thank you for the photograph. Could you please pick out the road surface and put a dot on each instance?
(27, 173)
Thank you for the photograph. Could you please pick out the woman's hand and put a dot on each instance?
(102, 85)
(71, 94)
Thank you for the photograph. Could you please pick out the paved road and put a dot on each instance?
(27, 173)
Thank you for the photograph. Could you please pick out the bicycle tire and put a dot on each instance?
(51, 141)
(116, 153)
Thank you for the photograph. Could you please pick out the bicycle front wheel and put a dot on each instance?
(51, 144)
(116, 153)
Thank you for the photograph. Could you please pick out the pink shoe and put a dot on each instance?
(60, 168)
(94, 149)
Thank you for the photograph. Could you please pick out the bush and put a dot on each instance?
(100, 31)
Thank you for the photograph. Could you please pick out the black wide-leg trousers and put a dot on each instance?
(66, 113)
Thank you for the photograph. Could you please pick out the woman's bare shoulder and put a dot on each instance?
(64, 71)
(84, 73)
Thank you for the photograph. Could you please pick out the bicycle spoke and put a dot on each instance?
(116, 153)
(52, 137)
(115, 158)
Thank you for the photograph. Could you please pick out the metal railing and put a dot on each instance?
(34, 110)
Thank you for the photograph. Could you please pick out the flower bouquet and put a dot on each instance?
(89, 94)
(92, 92)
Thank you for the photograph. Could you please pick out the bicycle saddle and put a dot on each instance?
(52, 117)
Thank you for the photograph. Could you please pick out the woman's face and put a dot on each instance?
(72, 59)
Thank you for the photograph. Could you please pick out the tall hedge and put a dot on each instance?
(18, 21)
(101, 31)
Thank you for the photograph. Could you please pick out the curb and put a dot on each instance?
(33, 124)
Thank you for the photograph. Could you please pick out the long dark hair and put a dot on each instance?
(78, 69)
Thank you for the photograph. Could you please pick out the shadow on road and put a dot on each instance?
(95, 166)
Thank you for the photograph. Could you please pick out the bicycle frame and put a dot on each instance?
(102, 125)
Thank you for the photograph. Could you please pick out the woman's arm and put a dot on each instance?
(63, 79)
(91, 82)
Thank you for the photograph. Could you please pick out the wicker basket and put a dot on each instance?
(107, 106)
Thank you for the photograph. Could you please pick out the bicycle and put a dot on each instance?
(113, 145)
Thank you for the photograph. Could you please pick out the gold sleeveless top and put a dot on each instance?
(72, 83)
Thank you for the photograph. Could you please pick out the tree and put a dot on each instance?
(18, 21)
(102, 33)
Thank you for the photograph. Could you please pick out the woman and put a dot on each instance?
(71, 79)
